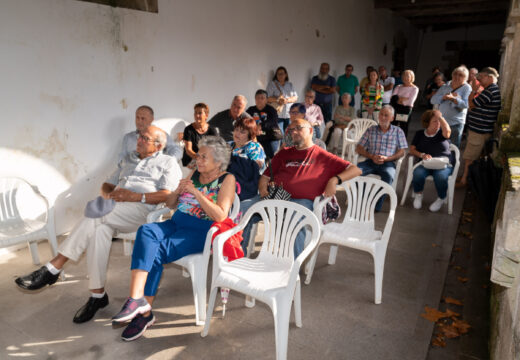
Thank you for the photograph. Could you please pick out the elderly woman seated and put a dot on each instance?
(342, 116)
(204, 197)
(432, 146)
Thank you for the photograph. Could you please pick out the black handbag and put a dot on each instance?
(276, 192)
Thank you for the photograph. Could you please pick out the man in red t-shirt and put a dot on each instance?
(306, 171)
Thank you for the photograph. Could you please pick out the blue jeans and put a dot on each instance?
(283, 123)
(456, 134)
(440, 178)
(157, 244)
(317, 131)
(299, 243)
(386, 171)
(326, 109)
(246, 234)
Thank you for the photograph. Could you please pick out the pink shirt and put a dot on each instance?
(409, 92)
(314, 114)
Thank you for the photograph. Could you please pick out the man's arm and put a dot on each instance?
(262, 185)
(350, 172)
(124, 195)
(361, 151)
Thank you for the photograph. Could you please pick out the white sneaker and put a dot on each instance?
(437, 204)
(417, 202)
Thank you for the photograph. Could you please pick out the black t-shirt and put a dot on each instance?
(190, 134)
(436, 145)
(224, 123)
(267, 118)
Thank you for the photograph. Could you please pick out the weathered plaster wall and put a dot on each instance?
(73, 72)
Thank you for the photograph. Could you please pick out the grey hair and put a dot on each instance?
(389, 108)
(463, 70)
(220, 149)
(240, 97)
(347, 94)
(160, 138)
(475, 70)
(311, 91)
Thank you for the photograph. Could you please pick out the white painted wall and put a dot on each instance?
(74, 72)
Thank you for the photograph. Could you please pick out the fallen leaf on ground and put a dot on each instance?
(451, 313)
(457, 249)
(449, 331)
(434, 315)
(462, 279)
(434, 245)
(438, 341)
(461, 325)
(467, 213)
(450, 300)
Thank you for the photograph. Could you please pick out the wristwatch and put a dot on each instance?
(143, 198)
(339, 179)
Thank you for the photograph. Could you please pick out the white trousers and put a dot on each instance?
(95, 236)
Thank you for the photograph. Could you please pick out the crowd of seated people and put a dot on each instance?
(240, 152)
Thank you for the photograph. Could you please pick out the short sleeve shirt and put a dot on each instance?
(305, 173)
(322, 98)
(436, 145)
(482, 118)
(252, 151)
(287, 90)
(347, 84)
(193, 136)
(377, 142)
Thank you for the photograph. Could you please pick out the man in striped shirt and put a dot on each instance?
(481, 118)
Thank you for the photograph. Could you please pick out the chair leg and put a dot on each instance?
(406, 188)
(298, 304)
(450, 198)
(332, 254)
(209, 314)
(310, 266)
(33, 246)
(52, 241)
(281, 314)
(251, 245)
(198, 283)
(379, 267)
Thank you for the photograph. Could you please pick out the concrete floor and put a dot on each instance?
(340, 319)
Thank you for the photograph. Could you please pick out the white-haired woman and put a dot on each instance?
(342, 116)
(452, 99)
(403, 98)
(202, 198)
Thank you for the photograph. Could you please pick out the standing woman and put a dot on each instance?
(453, 102)
(281, 95)
(372, 96)
(194, 132)
(403, 98)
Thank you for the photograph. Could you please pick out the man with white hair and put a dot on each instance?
(481, 118)
(143, 118)
(143, 179)
(224, 120)
(382, 145)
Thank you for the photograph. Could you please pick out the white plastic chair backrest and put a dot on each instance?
(356, 128)
(9, 187)
(362, 195)
(456, 151)
(235, 208)
(172, 126)
(282, 222)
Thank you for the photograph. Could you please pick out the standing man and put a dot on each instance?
(143, 119)
(382, 145)
(224, 120)
(388, 83)
(348, 83)
(144, 178)
(481, 118)
(325, 87)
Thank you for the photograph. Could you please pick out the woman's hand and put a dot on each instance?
(282, 100)
(426, 156)
(186, 185)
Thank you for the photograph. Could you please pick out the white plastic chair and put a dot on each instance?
(13, 228)
(451, 179)
(351, 135)
(172, 126)
(357, 229)
(273, 277)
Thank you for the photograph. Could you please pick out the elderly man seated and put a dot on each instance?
(382, 145)
(306, 170)
(143, 119)
(143, 179)
(224, 120)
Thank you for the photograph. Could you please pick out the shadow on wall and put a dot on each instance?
(69, 199)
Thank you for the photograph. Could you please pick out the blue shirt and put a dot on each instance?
(454, 114)
(377, 142)
(322, 98)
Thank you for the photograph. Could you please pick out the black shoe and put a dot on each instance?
(37, 279)
(87, 311)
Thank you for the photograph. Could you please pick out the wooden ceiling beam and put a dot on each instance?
(487, 18)
(454, 10)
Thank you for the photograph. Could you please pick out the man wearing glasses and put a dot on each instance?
(143, 118)
(306, 171)
(144, 178)
(481, 117)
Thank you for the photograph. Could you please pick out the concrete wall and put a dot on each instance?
(73, 72)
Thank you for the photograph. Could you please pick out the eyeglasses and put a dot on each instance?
(146, 138)
(297, 128)
(294, 112)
